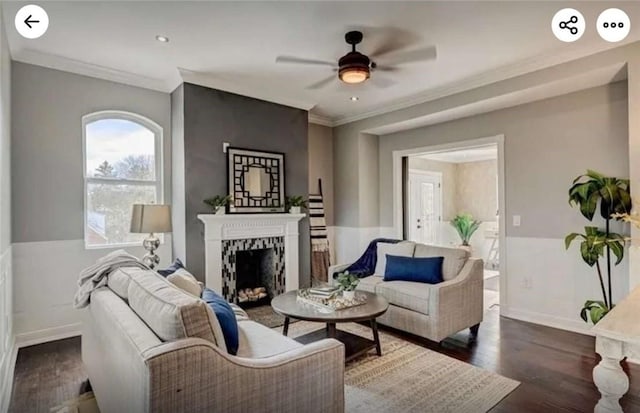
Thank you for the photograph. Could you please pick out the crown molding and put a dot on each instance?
(65, 64)
(211, 81)
(320, 120)
(483, 79)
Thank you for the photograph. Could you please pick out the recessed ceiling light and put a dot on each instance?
(163, 39)
(354, 98)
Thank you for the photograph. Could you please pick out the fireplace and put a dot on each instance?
(229, 236)
(252, 263)
(255, 271)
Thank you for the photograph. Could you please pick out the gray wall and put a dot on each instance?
(47, 170)
(547, 144)
(178, 214)
(321, 166)
(212, 117)
(5, 143)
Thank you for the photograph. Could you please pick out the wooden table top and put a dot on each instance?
(288, 305)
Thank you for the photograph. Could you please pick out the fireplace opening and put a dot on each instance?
(254, 277)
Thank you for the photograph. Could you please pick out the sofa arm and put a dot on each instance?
(335, 269)
(193, 375)
(458, 303)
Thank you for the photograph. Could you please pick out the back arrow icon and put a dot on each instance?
(27, 21)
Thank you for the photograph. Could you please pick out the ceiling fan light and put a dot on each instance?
(354, 74)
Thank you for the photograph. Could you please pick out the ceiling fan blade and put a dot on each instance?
(384, 68)
(323, 82)
(302, 61)
(381, 82)
(410, 56)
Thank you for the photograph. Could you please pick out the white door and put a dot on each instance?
(425, 204)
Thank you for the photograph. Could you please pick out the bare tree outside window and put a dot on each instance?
(122, 168)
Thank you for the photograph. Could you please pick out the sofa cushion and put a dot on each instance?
(454, 258)
(369, 283)
(171, 313)
(424, 270)
(185, 281)
(118, 281)
(401, 249)
(226, 318)
(406, 294)
(259, 341)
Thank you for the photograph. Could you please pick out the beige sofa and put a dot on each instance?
(433, 311)
(149, 347)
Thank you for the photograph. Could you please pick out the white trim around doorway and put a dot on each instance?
(498, 140)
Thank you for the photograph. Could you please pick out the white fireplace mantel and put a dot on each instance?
(218, 228)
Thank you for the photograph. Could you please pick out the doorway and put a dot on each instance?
(435, 186)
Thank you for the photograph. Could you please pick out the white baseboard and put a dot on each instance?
(547, 320)
(48, 334)
(7, 377)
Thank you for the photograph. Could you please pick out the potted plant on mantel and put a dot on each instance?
(466, 226)
(348, 283)
(219, 203)
(613, 195)
(295, 204)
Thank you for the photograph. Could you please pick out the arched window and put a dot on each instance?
(122, 167)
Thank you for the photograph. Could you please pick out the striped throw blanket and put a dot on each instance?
(320, 255)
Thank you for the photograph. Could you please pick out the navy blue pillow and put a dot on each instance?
(177, 264)
(226, 317)
(423, 270)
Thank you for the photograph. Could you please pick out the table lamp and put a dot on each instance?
(151, 219)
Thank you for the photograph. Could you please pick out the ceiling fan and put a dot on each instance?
(355, 67)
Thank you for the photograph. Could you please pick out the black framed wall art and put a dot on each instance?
(255, 181)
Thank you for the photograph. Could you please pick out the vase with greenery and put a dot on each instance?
(219, 203)
(613, 197)
(295, 203)
(347, 284)
(465, 225)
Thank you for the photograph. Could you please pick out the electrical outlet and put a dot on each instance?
(527, 283)
(516, 220)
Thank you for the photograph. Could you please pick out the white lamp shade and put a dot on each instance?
(149, 218)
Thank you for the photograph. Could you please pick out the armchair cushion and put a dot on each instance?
(406, 294)
(258, 341)
(454, 258)
(401, 249)
(369, 283)
(424, 270)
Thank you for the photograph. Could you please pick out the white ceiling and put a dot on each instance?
(233, 45)
(481, 153)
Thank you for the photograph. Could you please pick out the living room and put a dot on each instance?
(170, 108)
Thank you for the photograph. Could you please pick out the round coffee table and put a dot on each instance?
(288, 305)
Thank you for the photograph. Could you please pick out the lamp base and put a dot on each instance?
(151, 244)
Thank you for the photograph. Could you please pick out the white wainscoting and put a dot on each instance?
(548, 285)
(8, 348)
(45, 281)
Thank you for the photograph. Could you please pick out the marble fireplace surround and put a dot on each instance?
(220, 228)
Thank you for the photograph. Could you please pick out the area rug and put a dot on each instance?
(410, 378)
(265, 315)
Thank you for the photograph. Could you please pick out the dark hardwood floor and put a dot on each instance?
(554, 367)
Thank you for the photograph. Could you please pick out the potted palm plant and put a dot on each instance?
(614, 198)
(219, 203)
(465, 226)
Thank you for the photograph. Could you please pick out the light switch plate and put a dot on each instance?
(516, 220)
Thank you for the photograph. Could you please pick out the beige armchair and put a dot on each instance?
(432, 311)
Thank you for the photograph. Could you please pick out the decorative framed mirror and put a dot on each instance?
(255, 181)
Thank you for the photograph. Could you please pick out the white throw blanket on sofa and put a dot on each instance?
(95, 276)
